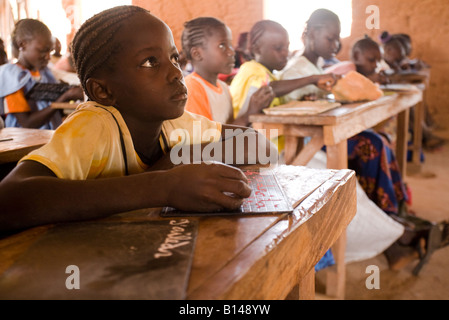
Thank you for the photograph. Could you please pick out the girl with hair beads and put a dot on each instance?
(32, 41)
(394, 52)
(207, 43)
(113, 154)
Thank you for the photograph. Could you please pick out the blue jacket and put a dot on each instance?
(12, 79)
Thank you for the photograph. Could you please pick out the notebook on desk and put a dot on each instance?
(267, 197)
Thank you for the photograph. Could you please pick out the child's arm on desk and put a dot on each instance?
(32, 195)
(323, 81)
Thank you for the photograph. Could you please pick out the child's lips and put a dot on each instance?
(180, 95)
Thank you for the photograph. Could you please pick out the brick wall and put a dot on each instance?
(238, 15)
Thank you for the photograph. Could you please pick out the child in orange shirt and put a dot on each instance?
(33, 41)
(207, 43)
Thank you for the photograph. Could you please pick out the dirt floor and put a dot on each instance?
(430, 200)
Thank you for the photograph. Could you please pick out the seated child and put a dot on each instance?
(408, 64)
(269, 42)
(32, 41)
(394, 52)
(366, 56)
(207, 43)
(369, 154)
(113, 154)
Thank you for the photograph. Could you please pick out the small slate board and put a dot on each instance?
(115, 260)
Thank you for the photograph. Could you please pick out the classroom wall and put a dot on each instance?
(238, 15)
(427, 22)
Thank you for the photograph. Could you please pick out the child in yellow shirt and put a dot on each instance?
(114, 153)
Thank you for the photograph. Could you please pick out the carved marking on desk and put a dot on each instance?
(176, 238)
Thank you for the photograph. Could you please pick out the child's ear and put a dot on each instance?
(196, 54)
(99, 91)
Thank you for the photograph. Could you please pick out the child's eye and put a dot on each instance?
(175, 59)
(150, 63)
(224, 46)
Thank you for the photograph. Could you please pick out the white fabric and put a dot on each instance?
(371, 231)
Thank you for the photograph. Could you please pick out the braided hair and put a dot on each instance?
(26, 30)
(196, 31)
(258, 30)
(93, 47)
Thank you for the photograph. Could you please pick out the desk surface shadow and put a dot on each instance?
(114, 260)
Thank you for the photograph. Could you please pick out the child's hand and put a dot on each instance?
(207, 187)
(261, 99)
(327, 81)
(74, 93)
(380, 78)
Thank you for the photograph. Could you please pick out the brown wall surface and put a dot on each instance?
(239, 15)
(427, 21)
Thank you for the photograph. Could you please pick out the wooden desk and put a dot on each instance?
(23, 141)
(332, 129)
(243, 257)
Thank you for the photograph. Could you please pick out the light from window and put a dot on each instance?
(293, 14)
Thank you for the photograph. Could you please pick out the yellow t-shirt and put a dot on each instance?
(87, 145)
(250, 77)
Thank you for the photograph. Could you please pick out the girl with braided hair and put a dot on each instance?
(32, 43)
(207, 43)
(113, 154)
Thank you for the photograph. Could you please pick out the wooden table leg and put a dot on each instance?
(337, 158)
(307, 286)
(418, 114)
(402, 141)
(336, 275)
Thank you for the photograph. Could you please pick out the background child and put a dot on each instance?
(207, 43)
(269, 43)
(394, 52)
(108, 156)
(385, 188)
(32, 41)
(366, 56)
